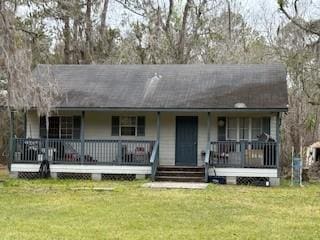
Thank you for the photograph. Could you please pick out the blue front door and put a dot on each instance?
(186, 140)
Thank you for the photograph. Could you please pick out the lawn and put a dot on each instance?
(52, 209)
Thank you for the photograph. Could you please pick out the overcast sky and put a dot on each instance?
(256, 13)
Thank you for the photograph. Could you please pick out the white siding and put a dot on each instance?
(167, 139)
(273, 126)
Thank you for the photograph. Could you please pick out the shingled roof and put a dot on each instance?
(159, 87)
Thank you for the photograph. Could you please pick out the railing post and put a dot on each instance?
(243, 152)
(82, 137)
(119, 151)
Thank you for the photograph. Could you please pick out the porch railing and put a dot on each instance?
(253, 154)
(69, 151)
(154, 160)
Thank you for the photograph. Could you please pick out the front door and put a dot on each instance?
(186, 140)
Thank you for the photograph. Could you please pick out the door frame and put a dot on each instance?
(196, 140)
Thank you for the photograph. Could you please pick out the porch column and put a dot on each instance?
(82, 137)
(278, 144)
(158, 133)
(11, 141)
(208, 128)
(158, 126)
(47, 139)
(208, 147)
(25, 125)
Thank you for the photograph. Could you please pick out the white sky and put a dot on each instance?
(256, 12)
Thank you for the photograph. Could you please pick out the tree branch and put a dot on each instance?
(125, 5)
(292, 19)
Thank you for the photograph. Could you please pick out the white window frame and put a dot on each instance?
(60, 127)
(135, 126)
(250, 135)
(261, 127)
(237, 129)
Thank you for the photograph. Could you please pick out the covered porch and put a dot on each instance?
(104, 141)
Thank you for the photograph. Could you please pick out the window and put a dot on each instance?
(61, 127)
(128, 126)
(232, 128)
(244, 128)
(66, 127)
(256, 127)
(259, 125)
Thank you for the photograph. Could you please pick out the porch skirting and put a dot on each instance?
(244, 172)
(64, 168)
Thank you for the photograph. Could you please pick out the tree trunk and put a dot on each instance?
(182, 34)
(66, 35)
(103, 17)
(88, 32)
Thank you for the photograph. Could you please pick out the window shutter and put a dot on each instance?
(266, 125)
(76, 127)
(141, 126)
(115, 126)
(43, 131)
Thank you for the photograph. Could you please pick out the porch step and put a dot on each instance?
(180, 174)
(179, 179)
(180, 168)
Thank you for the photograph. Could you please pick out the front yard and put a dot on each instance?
(53, 209)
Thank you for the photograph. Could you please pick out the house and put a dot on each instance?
(170, 122)
(312, 154)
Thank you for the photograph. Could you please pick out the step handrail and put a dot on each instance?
(154, 160)
(206, 162)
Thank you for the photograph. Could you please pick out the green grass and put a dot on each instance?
(50, 209)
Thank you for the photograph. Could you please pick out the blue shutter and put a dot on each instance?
(43, 131)
(76, 127)
(141, 126)
(115, 126)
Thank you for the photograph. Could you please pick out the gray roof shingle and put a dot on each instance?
(258, 86)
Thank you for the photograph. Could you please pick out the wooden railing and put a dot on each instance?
(71, 151)
(207, 162)
(241, 154)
